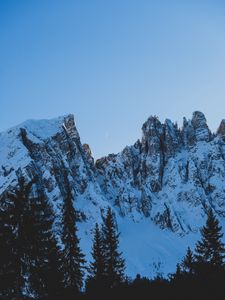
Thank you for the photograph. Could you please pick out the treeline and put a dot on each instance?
(34, 266)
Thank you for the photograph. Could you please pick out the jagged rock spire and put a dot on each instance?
(202, 132)
(196, 129)
(221, 129)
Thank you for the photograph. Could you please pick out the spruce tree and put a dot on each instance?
(73, 258)
(30, 256)
(178, 273)
(7, 270)
(115, 264)
(97, 266)
(96, 280)
(210, 249)
(45, 275)
(187, 263)
(18, 212)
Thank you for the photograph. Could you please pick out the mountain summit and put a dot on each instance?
(160, 188)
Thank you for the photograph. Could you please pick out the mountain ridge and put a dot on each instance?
(166, 180)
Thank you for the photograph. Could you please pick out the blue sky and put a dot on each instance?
(112, 63)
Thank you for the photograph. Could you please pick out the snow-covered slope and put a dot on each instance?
(159, 188)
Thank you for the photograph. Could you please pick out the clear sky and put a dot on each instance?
(112, 63)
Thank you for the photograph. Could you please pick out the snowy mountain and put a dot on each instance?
(159, 188)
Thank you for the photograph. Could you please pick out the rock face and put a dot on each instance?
(172, 176)
(168, 178)
(51, 152)
(221, 129)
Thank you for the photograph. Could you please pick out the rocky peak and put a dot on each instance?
(172, 139)
(88, 153)
(152, 127)
(153, 148)
(188, 133)
(69, 126)
(152, 134)
(195, 130)
(202, 132)
(221, 129)
(160, 138)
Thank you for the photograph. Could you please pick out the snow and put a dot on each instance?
(14, 155)
(43, 129)
(145, 246)
(148, 245)
(147, 249)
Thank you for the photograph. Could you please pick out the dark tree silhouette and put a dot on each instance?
(188, 261)
(210, 249)
(115, 264)
(30, 260)
(96, 282)
(7, 269)
(45, 271)
(98, 267)
(19, 215)
(73, 258)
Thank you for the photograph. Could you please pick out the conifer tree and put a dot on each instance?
(115, 264)
(18, 211)
(45, 275)
(97, 266)
(96, 282)
(187, 263)
(73, 258)
(178, 273)
(30, 252)
(210, 249)
(7, 271)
